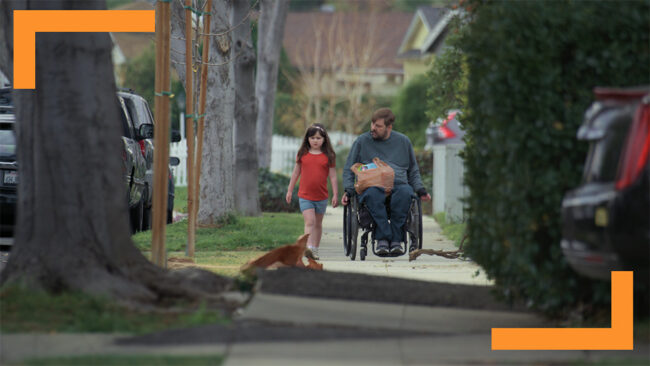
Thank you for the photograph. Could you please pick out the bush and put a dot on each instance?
(273, 192)
(532, 66)
(425, 163)
(410, 110)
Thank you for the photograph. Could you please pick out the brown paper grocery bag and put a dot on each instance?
(382, 176)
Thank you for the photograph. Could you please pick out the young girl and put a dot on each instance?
(315, 162)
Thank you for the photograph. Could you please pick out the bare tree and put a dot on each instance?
(273, 15)
(72, 231)
(334, 69)
(247, 199)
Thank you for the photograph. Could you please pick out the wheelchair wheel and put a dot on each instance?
(354, 227)
(346, 229)
(420, 237)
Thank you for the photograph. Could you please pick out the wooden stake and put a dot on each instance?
(189, 127)
(202, 95)
(161, 134)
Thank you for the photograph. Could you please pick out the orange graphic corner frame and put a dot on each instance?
(28, 22)
(618, 337)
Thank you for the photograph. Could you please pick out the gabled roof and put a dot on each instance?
(133, 44)
(435, 21)
(345, 40)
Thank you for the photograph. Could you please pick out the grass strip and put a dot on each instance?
(24, 310)
(453, 231)
(132, 360)
(235, 233)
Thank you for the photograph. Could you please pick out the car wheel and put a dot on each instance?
(170, 216)
(136, 217)
(146, 213)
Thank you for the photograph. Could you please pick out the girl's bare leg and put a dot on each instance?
(317, 231)
(310, 219)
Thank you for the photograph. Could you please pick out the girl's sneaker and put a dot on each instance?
(312, 253)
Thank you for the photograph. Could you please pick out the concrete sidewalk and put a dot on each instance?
(424, 268)
(284, 329)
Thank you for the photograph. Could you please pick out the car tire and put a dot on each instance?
(136, 217)
(170, 216)
(146, 213)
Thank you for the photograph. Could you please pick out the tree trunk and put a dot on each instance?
(216, 191)
(273, 15)
(72, 231)
(217, 194)
(247, 199)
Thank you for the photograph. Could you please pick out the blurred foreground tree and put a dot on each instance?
(72, 232)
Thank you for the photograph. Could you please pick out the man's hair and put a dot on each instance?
(384, 113)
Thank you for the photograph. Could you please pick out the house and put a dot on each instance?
(424, 39)
(130, 45)
(339, 51)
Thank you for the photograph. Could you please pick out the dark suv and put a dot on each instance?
(8, 168)
(140, 114)
(606, 220)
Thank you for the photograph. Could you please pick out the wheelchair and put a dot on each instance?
(356, 216)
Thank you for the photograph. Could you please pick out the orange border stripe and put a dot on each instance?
(28, 22)
(618, 337)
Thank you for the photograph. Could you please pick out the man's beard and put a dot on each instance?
(377, 137)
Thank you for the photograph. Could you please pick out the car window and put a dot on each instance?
(7, 142)
(127, 127)
(130, 107)
(604, 154)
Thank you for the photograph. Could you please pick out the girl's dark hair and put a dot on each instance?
(326, 148)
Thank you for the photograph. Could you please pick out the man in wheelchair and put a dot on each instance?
(396, 150)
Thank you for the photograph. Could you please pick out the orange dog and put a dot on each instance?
(288, 255)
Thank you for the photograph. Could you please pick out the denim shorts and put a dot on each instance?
(318, 206)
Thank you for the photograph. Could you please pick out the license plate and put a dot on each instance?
(10, 177)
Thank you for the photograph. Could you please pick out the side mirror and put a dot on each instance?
(174, 161)
(145, 131)
(175, 135)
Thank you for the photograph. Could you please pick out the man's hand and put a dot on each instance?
(344, 199)
(426, 197)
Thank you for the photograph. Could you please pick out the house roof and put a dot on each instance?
(352, 40)
(133, 45)
(435, 22)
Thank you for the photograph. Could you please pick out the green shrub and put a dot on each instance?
(532, 67)
(410, 110)
(273, 192)
(425, 163)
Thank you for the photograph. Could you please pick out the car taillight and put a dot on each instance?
(142, 148)
(637, 148)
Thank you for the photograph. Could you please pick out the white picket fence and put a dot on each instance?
(283, 153)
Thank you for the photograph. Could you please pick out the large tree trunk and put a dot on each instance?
(273, 15)
(72, 231)
(217, 194)
(247, 199)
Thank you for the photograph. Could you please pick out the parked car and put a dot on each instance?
(8, 168)
(140, 114)
(606, 219)
(134, 166)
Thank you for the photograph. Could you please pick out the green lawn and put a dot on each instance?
(240, 233)
(33, 311)
(131, 360)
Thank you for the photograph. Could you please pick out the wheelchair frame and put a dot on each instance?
(352, 224)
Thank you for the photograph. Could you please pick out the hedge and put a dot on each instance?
(532, 67)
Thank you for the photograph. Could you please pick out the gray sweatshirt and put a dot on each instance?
(396, 151)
